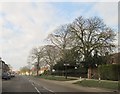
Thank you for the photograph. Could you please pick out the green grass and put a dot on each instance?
(50, 77)
(96, 83)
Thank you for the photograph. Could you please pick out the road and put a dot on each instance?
(21, 84)
(32, 85)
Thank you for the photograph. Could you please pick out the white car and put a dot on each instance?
(12, 75)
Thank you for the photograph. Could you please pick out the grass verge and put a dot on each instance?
(51, 77)
(102, 84)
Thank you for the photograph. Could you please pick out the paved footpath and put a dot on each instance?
(87, 89)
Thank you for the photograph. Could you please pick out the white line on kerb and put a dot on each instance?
(37, 90)
(48, 89)
(32, 84)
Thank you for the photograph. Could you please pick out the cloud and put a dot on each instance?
(25, 25)
(108, 11)
(59, 0)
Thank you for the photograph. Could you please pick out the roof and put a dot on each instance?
(115, 57)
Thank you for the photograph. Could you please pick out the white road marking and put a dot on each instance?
(48, 89)
(35, 87)
(37, 90)
(51, 91)
(32, 84)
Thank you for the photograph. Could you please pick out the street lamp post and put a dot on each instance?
(0, 67)
(0, 75)
(99, 79)
(37, 67)
(0, 64)
(29, 68)
(66, 65)
(76, 70)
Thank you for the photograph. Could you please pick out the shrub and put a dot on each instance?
(109, 72)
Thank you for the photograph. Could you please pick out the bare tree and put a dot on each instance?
(50, 55)
(37, 54)
(29, 62)
(92, 35)
(61, 39)
(24, 69)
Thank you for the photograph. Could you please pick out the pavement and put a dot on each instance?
(89, 89)
(79, 88)
(73, 87)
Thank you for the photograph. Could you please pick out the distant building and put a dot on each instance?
(4, 66)
(43, 69)
(0, 67)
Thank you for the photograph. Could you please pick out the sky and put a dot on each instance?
(24, 25)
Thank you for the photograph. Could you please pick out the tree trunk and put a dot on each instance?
(51, 68)
(37, 72)
(89, 73)
(38, 66)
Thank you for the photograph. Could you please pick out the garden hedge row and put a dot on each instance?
(110, 72)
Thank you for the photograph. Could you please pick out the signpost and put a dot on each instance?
(66, 65)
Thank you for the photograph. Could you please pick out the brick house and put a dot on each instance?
(114, 58)
(5, 67)
(111, 59)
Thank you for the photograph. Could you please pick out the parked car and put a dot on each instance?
(6, 75)
(12, 74)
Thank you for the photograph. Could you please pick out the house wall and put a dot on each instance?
(114, 58)
(5, 67)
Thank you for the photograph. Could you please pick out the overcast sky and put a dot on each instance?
(25, 25)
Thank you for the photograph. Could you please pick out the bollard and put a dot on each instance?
(80, 79)
(99, 79)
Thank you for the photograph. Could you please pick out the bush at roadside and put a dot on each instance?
(109, 72)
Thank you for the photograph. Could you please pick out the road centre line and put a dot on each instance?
(37, 89)
(43, 87)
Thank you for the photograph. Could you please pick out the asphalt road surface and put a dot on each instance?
(32, 85)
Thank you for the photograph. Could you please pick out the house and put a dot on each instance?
(111, 59)
(114, 58)
(4, 66)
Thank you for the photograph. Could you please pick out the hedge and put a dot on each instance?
(109, 72)
(72, 72)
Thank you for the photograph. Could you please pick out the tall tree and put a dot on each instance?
(92, 35)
